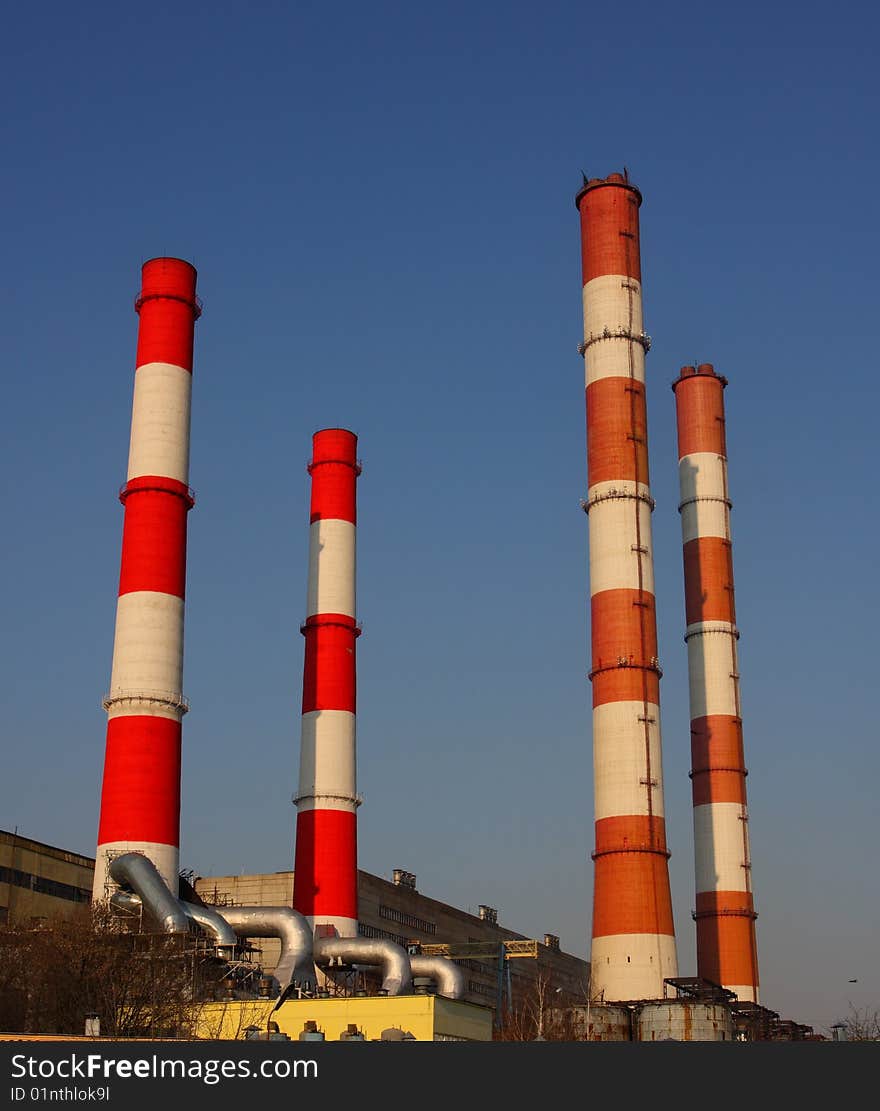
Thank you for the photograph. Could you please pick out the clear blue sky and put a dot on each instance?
(379, 200)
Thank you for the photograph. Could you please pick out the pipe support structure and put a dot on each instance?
(295, 963)
(392, 958)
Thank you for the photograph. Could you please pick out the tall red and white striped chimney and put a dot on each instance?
(140, 796)
(633, 947)
(725, 914)
(325, 868)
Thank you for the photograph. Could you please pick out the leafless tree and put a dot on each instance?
(536, 1014)
(861, 1026)
(138, 983)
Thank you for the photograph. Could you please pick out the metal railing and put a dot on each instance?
(621, 332)
(173, 699)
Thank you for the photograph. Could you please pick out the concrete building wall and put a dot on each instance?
(40, 881)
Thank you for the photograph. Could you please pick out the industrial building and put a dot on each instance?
(396, 911)
(367, 955)
(39, 882)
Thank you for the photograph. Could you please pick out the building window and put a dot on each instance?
(482, 989)
(410, 920)
(387, 935)
(43, 886)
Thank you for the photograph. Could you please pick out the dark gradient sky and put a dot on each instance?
(379, 199)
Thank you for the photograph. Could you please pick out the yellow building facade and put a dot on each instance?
(427, 1018)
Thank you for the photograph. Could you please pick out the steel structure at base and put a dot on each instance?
(428, 1018)
(498, 952)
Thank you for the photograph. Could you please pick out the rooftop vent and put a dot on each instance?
(552, 941)
(396, 1034)
(488, 914)
(404, 879)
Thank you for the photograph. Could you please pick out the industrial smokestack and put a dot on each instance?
(725, 915)
(325, 869)
(140, 797)
(633, 947)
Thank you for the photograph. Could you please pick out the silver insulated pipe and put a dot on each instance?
(215, 924)
(138, 872)
(393, 960)
(295, 962)
(210, 921)
(446, 974)
(126, 900)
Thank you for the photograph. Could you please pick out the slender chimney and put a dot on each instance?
(633, 946)
(325, 876)
(725, 915)
(140, 796)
